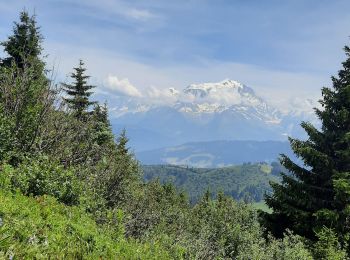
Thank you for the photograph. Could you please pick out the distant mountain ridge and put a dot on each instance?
(226, 110)
(217, 153)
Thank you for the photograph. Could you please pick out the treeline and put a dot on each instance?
(247, 182)
(69, 190)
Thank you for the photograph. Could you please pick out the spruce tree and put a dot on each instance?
(78, 92)
(317, 194)
(24, 46)
(26, 95)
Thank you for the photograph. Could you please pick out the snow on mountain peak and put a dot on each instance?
(227, 96)
(204, 89)
(225, 93)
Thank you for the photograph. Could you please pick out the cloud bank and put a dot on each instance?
(122, 86)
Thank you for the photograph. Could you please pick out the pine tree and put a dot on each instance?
(317, 194)
(78, 92)
(24, 44)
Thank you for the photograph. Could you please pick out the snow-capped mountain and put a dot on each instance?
(227, 110)
(228, 95)
(239, 92)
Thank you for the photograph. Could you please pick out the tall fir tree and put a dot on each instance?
(25, 92)
(24, 46)
(317, 194)
(78, 92)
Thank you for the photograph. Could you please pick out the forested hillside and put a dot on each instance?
(248, 182)
(70, 189)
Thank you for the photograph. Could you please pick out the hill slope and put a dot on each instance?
(42, 228)
(244, 182)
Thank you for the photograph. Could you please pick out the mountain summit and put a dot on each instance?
(228, 95)
(226, 110)
(205, 89)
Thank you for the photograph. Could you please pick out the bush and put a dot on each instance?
(157, 210)
(42, 228)
(328, 246)
(42, 176)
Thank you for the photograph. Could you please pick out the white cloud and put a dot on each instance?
(277, 87)
(139, 14)
(224, 96)
(122, 86)
(160, 96)
(122, 8)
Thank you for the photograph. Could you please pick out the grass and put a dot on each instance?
(262, 206)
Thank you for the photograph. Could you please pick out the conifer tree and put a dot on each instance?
(317, 194)
(104, 134)
(78, 91)
(122, 149)
(24, 44)
(125, 175)
(26, 95)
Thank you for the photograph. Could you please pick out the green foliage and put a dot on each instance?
(223, 228)
(42, 228)
(103, 130)
(25, 100)
(78, 92)
(72, 141)
(123, 175)
(290, 247)
(157, 209)
(247, 182)
(317, 194)
(42, 176)
(25, 93)
(212, 229)
(328, 246)
(6, 136)
(25, 43)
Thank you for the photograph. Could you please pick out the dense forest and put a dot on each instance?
(247, 182)
(69, 189)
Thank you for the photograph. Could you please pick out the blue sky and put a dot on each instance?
(283, 49)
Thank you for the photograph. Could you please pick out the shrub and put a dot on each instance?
(328, 246)
(43, 176)
(42, 228)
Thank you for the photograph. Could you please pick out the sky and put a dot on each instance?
(284, 50)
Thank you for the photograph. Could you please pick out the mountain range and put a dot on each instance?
(227, 110)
